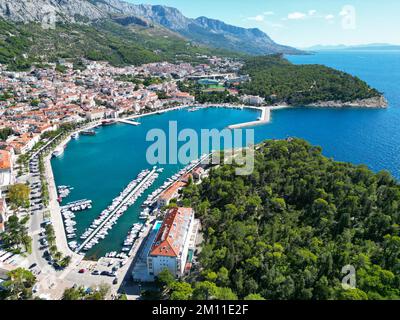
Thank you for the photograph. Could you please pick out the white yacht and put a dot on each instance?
(58, 151)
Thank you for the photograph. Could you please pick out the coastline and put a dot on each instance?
(55, 212)
(370, 103)
(54, 207)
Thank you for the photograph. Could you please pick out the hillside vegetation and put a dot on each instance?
(278, 80)
(21, 45)
(287, 230)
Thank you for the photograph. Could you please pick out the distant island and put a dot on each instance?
(369, 47)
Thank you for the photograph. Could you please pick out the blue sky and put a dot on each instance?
(303, 23)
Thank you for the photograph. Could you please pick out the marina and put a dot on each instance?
(85, 166)
(152, 198)
(87, 170)
(108, 218)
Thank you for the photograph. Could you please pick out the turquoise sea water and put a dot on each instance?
(100, 167)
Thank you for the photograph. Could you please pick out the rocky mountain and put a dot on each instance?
(252, 41)
(202, 30)
(41, 10)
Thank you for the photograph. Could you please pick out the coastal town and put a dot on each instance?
(41, 110)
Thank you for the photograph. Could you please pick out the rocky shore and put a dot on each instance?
(375, 102)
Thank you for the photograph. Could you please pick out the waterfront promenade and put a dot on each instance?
(55, 214)
(54, 206)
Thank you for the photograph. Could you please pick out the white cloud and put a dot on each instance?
(312, 12)
(259, 17)
(343, 13)
(329, 17)
(296, 16)
(269, 13)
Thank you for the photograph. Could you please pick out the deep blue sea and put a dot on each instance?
(100, 167)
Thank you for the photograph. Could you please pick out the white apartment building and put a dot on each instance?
(171, 245)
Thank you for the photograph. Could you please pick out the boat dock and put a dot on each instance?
(152, 199)
(77, 205)
(117, 209)
(264, 118)
(127, 121)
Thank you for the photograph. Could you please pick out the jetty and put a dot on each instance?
(77, 205)
(116, 210)
(152, 198)
(127, 121)
(264, 118)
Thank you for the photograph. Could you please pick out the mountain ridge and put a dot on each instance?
(203, 30)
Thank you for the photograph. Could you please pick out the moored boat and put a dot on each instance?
(108, 122)
(58, 152)
(88, 132)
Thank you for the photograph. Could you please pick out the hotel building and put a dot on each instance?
(171, 246)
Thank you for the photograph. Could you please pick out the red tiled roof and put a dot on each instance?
(5, 160)
(170, 237)
(171, 191)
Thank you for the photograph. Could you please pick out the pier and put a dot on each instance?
(152, 199)
(264, 118)
(115, 211)
(80, 203)
(127, 121)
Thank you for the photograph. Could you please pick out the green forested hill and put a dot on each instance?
(21, 45)
(287, 230)
(278, 80)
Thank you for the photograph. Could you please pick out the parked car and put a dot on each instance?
(57, 266)
(33, 265)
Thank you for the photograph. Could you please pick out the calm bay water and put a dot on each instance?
(100, 167)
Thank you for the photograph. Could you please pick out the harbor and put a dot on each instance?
(85, 166)
(100, 227)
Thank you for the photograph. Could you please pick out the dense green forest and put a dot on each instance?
(287, 230)
(278, 80)
(21, 45)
